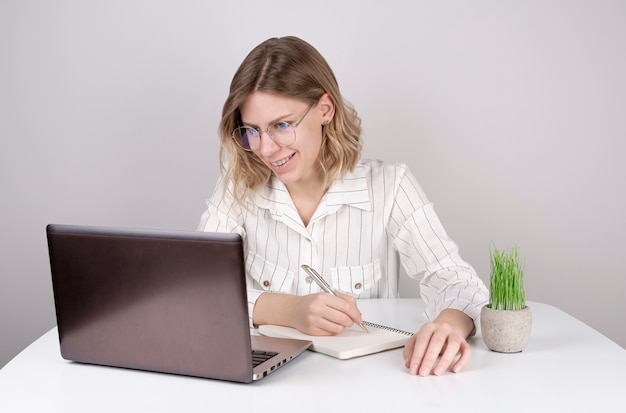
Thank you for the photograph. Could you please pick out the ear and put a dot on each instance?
(326, 107)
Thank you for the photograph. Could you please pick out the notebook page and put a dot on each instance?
(352, 342)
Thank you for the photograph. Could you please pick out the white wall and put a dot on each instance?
(510, 113)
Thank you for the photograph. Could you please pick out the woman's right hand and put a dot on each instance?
(319, 314)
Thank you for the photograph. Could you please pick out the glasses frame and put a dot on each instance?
(267, 131)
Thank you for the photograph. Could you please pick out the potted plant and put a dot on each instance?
(506, 321)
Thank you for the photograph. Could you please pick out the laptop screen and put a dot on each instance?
(165, 301)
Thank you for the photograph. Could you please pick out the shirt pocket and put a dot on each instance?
(266, 275)
(356, 280)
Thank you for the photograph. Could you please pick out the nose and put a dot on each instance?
(267, 146)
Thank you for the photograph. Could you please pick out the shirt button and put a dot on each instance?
(358, 286)
(266, 283)
(308, 280)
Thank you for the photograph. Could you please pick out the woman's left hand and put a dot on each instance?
(443, 339)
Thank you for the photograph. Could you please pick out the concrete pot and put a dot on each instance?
(505, 331)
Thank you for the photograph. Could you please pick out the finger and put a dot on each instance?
(466, 353)
(415, 355)
(348, 306)
(318, 317)
(449, 353)
(336, 310)
(351, 300)
(324, 327)
(322, 324)
(432, 352)
(407, 353)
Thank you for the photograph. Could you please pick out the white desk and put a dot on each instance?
(567, 366)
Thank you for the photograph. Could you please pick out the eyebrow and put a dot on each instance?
(276, 120)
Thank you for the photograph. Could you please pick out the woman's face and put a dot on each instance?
(295, 164)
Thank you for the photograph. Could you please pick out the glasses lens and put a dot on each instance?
(283, 133)
(245, 136)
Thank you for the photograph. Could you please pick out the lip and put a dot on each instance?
(280, 163)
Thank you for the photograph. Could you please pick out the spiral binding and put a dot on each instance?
(395, 330)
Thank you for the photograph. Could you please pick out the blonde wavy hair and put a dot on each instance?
(290, 67)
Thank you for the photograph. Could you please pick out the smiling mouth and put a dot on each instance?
(282, 161)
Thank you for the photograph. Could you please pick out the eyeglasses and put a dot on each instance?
(283, 133)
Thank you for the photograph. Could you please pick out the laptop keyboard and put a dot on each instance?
(259, 357)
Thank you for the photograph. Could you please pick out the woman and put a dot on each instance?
(294, 185)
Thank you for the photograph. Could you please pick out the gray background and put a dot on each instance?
(510, 113)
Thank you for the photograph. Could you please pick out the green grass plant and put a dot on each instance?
(507, 280)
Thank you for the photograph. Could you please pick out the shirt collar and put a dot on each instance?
(351, 190)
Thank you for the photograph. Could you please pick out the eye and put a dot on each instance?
(282, 126)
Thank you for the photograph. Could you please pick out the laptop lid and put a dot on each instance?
(157, 300)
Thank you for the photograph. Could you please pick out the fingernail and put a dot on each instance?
(414, 369)
(424, 371)
(438, 371)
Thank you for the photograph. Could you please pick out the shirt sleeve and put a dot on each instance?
(429, 255)
(224, 214)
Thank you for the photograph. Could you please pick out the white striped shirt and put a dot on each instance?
(367, 225)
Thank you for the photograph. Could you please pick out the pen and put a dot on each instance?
(324, 286)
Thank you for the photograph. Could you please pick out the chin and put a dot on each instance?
(285, 178)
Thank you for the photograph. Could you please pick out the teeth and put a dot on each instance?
(281, 162)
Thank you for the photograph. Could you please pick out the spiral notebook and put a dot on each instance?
(352, 342)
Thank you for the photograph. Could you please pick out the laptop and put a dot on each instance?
(159, 300)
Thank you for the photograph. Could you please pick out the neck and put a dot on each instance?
(306, 197)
